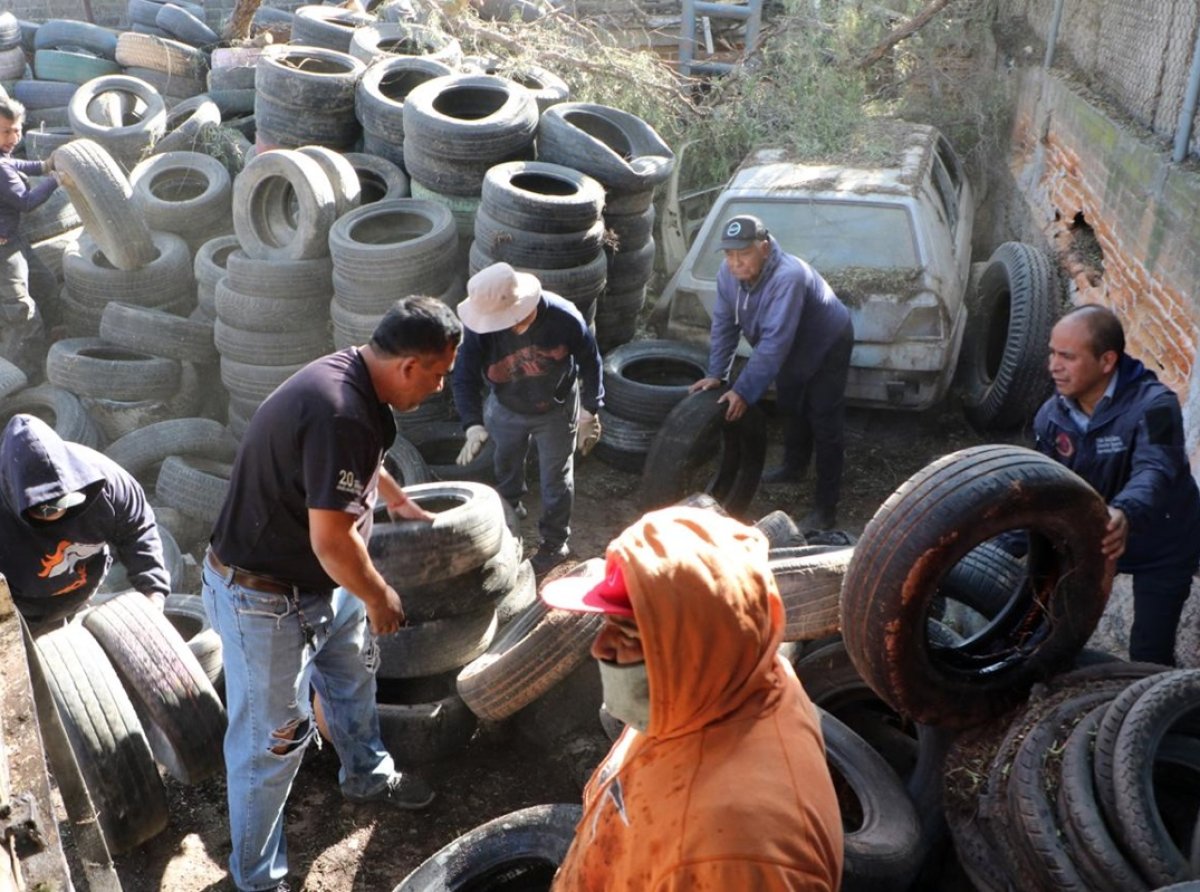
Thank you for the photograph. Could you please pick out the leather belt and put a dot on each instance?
(247, 579)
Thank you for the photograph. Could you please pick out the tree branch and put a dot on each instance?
(909, 28)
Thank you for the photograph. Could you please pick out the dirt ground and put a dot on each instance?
(337, 846)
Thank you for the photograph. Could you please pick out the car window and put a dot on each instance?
(827, 234)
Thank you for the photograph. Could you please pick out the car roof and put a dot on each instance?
(886, 156)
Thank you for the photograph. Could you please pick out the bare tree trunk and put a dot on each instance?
(239, 23)
(909, 28)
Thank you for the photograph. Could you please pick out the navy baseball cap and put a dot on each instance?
(742, 231)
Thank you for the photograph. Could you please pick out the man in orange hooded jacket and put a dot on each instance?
(719, 780)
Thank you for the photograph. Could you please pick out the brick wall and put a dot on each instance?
(1073, 163)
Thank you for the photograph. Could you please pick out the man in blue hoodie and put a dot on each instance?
(65, 510)
(1115, 425)
(802, 338)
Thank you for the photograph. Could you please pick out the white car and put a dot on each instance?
(892, 236)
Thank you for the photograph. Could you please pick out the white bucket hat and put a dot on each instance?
(498, 297)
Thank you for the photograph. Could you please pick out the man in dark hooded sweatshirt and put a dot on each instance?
(65, 512)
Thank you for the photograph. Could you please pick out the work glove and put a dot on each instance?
(587, 434)
(476, 436)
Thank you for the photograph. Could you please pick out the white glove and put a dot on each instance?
(476, 436)
(587, 434)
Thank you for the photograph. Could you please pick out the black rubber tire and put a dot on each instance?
(296, 280)
(437, 645)
(1030, 807)
(39, 94)
(462, 593)
(535, 651)
(560, 250)
(157, 333)
(440, 443)
(985, 579)
(273, 348)
(384, 40)
(102, 196)
(405, 463)
(906, 549)
(190, 126)
(253, 381)
(626, 231)
(645, 380)
(811, 589)
(1099, 859)
(57, 33)
(196, 486)
(139, 50)
(185, 27)
(42, 139)
(12, 379)
(106, 736)
(1003, 368)
(93, 367)
(534, 196)
(76, 67)
(1156, 711)
(379, 178)
(209, 266)
(165, 281)
(128, 140)
(52, 217)
(268, 227)
(623, 444)
(629, 270)
(779, 528)
(697, 450)
(328, 27)
(615, 147)
(423, 719)
(581, 285)
(251, 312)
(182, 713)
(186, 613)
(884, 852)
(393, 246)
(59, 408)
(520, 597)
(380, 94)
(347, 190)
(141, 450)
(522, 849)
(466, 531)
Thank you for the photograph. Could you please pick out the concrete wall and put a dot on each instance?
(1068, 159)
(110, 13)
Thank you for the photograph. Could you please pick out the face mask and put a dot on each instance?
(626, 692)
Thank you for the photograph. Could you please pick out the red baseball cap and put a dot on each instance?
(595, 586)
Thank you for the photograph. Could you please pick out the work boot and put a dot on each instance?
(520, 510)
(818, 519)
(782, 474)
(402, 790)
(547, 558)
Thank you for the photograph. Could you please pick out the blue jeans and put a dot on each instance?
(554, 434)
(268, 671)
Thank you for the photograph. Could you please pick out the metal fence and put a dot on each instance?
(1137, 54)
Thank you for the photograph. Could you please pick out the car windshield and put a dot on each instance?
(829, 235)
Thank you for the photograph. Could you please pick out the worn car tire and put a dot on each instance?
(144, 448)
(93, 367)
(697, 450)
(437, 645)
(615, 147)
(1004, 351)
(535, 196)
(922, 530)
(267, 225)
(423, 719)
(157, 333)
(645, 380)
(194, 485)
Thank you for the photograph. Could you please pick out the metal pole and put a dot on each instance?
(1053, 38)
(1187, 115)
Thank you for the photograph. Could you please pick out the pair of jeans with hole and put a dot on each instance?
(268, 672)
(554, 434)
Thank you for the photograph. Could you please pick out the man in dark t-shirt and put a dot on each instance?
(289, 585)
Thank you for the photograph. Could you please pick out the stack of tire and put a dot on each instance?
(118, 257)
(384, 251)
(143, 15)
(175, 69)
(209, 267)
(461, 576)
(185, 193)
(231, 76)
(544, 219)
(547, 87)
(629, 159)
(458, 126)
(131, 694)
(46, 124)
(74, 52)
(12, 55)
(305, 96)
(50, 228)
(405, 40)
(379, 99)
(124, 114)
(643, 381)
(272, 306)
(185, 22)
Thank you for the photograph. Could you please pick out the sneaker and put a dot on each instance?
(520, 510)
(547, 558)
(403, 790)
(816, 520)
(782, 474)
